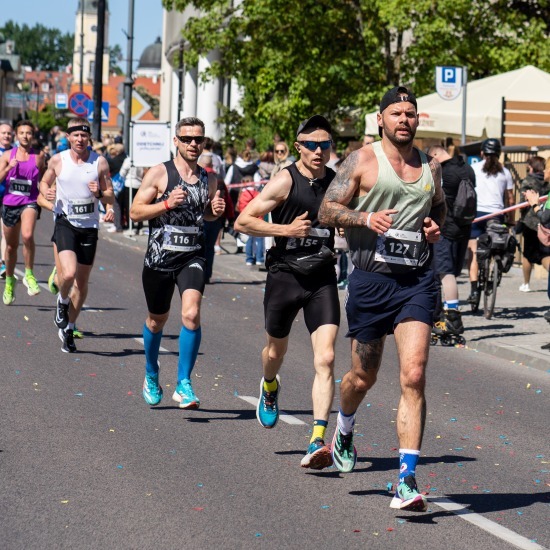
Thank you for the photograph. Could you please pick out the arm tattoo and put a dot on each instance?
(439, 208)
(334, 210)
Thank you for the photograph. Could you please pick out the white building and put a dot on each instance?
(182, 92)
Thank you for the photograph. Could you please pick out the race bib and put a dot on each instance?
(181, 239)
(398, 247)
(316, 239)
(81, 208)
(20, 187)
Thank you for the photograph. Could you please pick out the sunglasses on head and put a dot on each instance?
(189, 139)
(312, 145)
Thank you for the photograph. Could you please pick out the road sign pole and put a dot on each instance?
(464, 93)
(98, 73)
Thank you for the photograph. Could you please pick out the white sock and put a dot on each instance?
(63, 300)
(345, 423)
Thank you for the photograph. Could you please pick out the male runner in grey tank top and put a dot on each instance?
(388, 197)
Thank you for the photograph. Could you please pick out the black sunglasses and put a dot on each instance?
(189, 139)
(312, 145)
(278, 151)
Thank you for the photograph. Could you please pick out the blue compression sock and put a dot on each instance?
(190, 341)
(151, 343)
(408, 459)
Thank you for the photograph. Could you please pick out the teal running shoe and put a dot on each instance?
(344, 454)
(2, 270)
(51, 282)
(185, 395)
(407, 497)
(152, 391)
(318, 455)
(267, 411)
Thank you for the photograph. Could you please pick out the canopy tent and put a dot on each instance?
(440, 118)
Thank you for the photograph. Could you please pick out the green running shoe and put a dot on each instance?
(318, 455)
(9, 291)
(78, 333)
(185, 395)
(407, 497)
(29, 280)
(344, 454)
(267, 411)
(152, 391)
(54, 289)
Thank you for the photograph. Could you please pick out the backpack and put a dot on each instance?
(465, 204)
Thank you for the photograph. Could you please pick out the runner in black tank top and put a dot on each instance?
(176, 197)
(293, 198)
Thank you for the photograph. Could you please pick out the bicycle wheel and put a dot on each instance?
(492, 280)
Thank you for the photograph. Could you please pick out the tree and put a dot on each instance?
(335, 56)
(40, 48)
(115, 55)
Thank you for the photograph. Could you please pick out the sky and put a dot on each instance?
(61, 14)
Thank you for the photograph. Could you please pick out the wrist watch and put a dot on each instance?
(100, 194)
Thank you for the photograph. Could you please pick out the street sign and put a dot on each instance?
(78, 103)
(61, 101)
(14, 100)
(139, 106)
(448, 82)
(104, 111)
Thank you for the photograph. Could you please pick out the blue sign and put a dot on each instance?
(61, 101)
(448, 82)
(448, 75)
(104, 111)
(78, 103)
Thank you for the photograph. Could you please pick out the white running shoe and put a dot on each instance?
(524, 288)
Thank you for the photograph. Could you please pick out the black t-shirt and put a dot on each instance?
(305, 195)
(453, 171)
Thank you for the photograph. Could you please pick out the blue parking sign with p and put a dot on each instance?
(448, 82)
(449, 75)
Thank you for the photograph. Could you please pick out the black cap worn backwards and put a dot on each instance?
(314, 122)
(397, 95)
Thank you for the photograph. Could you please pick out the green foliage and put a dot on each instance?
(153, 101)
(115, 56)
(49, 117)
(293, 59)
(40, 48)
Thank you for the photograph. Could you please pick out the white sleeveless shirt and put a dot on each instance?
(73, 199)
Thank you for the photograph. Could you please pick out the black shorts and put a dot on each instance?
(449, 256)
(377, 303)
(159, 285)
(287, 293)
(479, 228)
(533, 250)
(11, 215)
(80, 240)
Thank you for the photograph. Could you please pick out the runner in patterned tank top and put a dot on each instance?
(176, 197)
(389, 199)
(21, 168)
(293, 197)
(76, 179)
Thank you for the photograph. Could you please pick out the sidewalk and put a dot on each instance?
(515, 333)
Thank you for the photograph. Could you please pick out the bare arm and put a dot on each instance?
(6, 165)
(216, 205)
(251, 222)
(439, 207)
(47, 183)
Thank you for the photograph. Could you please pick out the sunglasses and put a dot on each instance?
(312, 145)
(189, 139)
(280, 151)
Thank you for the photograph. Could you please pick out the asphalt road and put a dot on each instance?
(85, 463)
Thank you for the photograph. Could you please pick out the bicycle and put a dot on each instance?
(495, 255)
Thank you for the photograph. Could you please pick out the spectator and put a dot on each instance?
(116, 160)
(281, 158)
(266, 165)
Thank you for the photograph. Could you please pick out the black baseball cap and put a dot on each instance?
(397, 95)
(314, 122)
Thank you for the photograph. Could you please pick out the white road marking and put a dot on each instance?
(288, 418)
(482, 522)
(140, 341)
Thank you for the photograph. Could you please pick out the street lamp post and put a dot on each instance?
(128, 82)
(98, 70)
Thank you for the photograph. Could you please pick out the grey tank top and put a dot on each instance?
(403, 248)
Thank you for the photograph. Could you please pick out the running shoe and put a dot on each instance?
(152, 391)
(344, 454)
(29, 280)
(185, 395)
(77, 333)
(2, 270)
(9, 291)
(524, 287)
(317, 456)
(407, 497)
(66, 337)
(267, 411)
(54, 289)
(61, 314)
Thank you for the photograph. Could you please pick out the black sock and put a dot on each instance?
(473, 285)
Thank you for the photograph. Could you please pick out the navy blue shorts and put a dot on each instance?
(479, 228)
(449, 256)
(377, 303)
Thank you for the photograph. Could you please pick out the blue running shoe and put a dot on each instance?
(185, 395)
(318, 455)
(407, 497)
(267, 411)
(152, 391)
(344, 453)
(2, 270)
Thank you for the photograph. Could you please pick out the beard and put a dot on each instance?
(400, 140)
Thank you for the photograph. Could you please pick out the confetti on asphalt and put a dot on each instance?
(64, 502)
(79, 394)
(119, 466)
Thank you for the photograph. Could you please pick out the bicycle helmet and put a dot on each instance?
(491, 146)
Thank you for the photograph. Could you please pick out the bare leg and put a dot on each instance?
(79, 291)
(472, 260)
(527, 268)
(273, 355)
(322, 392)
(28, 223)
(12, 244)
